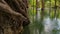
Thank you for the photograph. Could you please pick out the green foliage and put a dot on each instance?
(32, 3)
(32, 11)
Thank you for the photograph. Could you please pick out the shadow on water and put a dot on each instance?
(26, 30)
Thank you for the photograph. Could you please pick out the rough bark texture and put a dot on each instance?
(13, 16)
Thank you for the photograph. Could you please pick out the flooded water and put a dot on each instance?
(46, 25)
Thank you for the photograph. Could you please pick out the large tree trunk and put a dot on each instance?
(13, 16)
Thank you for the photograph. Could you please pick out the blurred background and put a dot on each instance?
(44, 16)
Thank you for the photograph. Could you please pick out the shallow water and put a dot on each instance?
(45, 26)
(49, 26)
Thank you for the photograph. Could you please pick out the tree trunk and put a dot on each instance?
(13, 16)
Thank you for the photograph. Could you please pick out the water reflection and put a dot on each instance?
(46, 26)
(51, 26)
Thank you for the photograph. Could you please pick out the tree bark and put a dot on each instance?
(13, 16)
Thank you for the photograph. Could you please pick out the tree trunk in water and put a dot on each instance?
(13, 16)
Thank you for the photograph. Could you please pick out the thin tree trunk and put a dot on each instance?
(42, 16)
(55, 8)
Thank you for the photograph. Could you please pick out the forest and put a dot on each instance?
(44, 16)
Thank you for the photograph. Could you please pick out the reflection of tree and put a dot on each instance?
(40, 22)
(55, 29)
(26, 30)
(41, 26)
